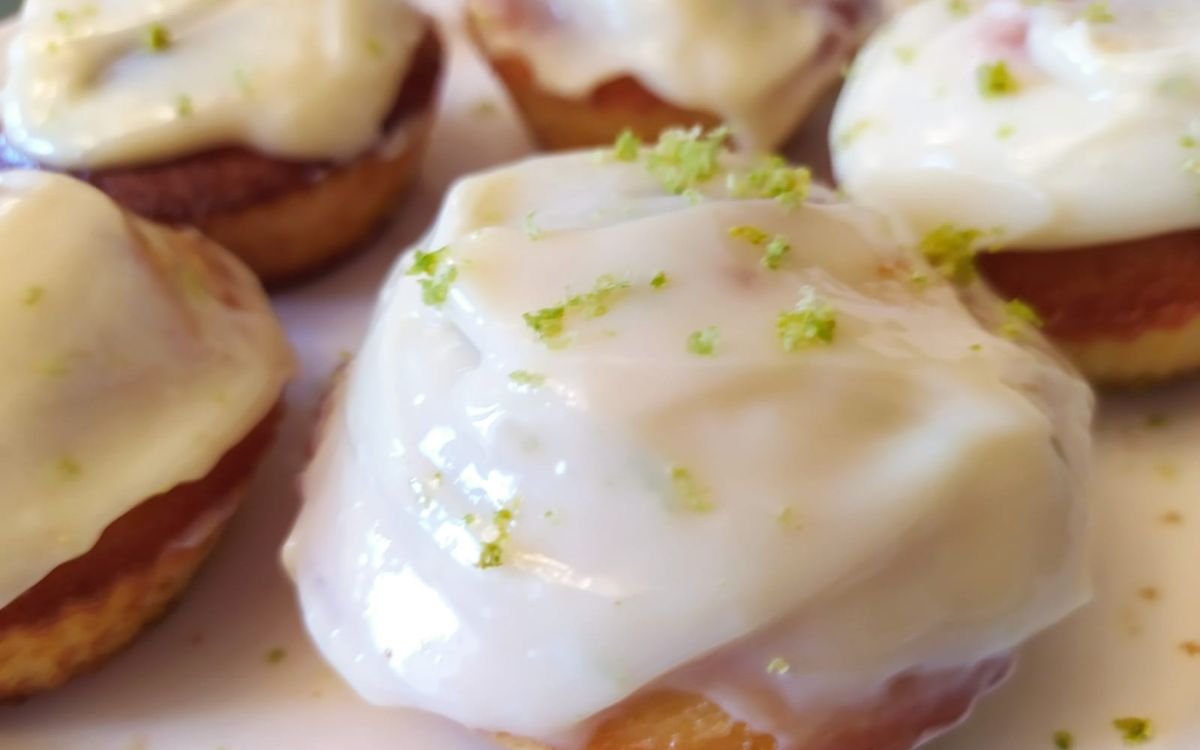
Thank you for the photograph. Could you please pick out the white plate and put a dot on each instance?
(202, 680)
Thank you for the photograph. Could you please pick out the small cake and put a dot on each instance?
(652, 450)
(286, 130)
(582, 72)
(141, 372)
(1063, 138)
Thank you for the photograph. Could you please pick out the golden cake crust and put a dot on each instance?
(909, 709)
(91, 607)
(1125, 312)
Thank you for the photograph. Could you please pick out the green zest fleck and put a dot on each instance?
(787, 519)
(952, 251)
(33, 295)
(659, 280)
(68, 468)
(1098, 12)
(683, 160)
(491, 554)
(157, 38)
(242, 79)
(774, 178)
(627, 146)
(527, 378)
(439, 271)
(1004, 132)
(812, 322)
(276, 655)
(1064, 740)
(532, 230)
(958, 7)
(851, 134)
(1018, 316)
(374, 48)
(778, 665)
(689, 493)
(906, 55)
(703, 343)
(548, 323)
(183, 106)
(996, 80)
(1134, 731)
(777, 245)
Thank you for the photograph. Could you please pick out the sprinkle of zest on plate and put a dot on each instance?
(778, 666)
(996, 80)
(660, 280)
(703, 343)
(68, 469)
(1134, 730)
(276, 655)
(157, 38)
(772, 177)
(33, 295)
(811, 323)
(1019, 317)
(960, 8)
(184, 106)
(495, 538)
(1098, 12)
(689, 494)
(549, 322)
(951, 250)
(774, 246)
(527, 379)
(1063, 740)
(439, 272)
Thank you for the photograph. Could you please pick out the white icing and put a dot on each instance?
(759, 65)
(1093, 148)
(932, 482)
(133, 359)
(300, 79)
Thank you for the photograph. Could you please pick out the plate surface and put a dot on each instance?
(204, 680)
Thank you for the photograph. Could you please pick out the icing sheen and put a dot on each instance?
(133, 359)
(758, 65)
(1097, 144)
(904, 497)
(120, 82)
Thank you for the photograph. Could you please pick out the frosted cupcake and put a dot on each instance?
(652, 451)
(141, 371)
(285, 129)
(581, 72)
(1062, 135)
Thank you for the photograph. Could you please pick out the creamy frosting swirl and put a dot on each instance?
(133, 359)
(759, 65)
(102, 83)
(519, 532)
(1087, 131)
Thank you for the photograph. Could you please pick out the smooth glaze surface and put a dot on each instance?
(122, 82)
(1099, 142)
(134, 359)
(202, 681)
